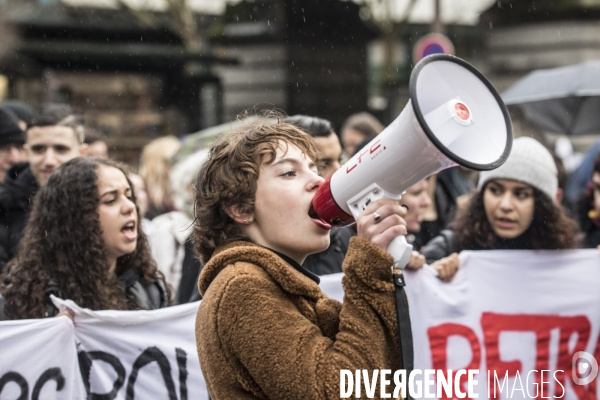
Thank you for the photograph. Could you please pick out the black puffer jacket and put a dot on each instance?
(16, 198)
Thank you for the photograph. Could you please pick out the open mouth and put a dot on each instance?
(317, 220)
(505, 222)
(129, 230)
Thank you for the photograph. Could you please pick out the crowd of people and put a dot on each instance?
(230, 225)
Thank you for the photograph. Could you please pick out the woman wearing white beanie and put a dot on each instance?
(513, 208)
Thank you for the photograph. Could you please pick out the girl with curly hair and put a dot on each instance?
(83, 242)
(514, 208)
(264, 329)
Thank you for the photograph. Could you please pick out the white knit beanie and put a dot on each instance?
(529, 162)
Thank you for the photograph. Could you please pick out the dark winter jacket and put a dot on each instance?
(265, 330)
(148, 296)
(589, 226)
(440, 246)
(446, 243)
(330, 261)
(16, 197)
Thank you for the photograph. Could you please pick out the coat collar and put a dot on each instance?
(289, 278)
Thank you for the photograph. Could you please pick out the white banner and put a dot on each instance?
(138, 354)
(38, 360)
(104, 355)
(513, 312)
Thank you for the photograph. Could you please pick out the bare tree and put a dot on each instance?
(182, 18)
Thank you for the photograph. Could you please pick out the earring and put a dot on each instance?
(245, 221)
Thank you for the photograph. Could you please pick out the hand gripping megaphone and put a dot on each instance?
(454, 117)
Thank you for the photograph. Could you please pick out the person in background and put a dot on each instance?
(96, 142)
(260, 307)
(173, 252)
(417, 200)
(579, 179)
(515, 207)
(588, 209)
(448, 189)
(141, 198)
(154, 168)
(328, 145)
(12, 139)
(22, 111)
(55, 137)
(326, 141)
(83, 242)
(357, 128)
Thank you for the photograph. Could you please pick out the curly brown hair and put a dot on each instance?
(228, 178)
(62, 246)
(550, 229)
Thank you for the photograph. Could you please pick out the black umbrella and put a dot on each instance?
(564, 100)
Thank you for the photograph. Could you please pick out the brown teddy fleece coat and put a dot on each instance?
(266, 331)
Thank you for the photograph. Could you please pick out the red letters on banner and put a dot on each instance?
(493, 325)
(438, 339)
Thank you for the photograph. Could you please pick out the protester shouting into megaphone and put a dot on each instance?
(264, 328)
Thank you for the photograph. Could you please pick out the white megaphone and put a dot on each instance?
(454, 117)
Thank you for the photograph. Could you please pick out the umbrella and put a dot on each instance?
(203, 139)
(564, 100)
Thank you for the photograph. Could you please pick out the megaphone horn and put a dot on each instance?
(454, 117)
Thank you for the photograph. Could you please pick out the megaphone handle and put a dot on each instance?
(398, 247)
(400, 250)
